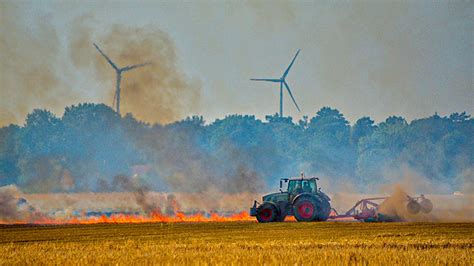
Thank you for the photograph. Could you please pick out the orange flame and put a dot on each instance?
(153, 218)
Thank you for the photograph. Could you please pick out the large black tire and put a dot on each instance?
(426, 205)
(305, 209)
(267, 213)
(324, 209)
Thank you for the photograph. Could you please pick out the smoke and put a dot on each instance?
(402, 186)
(35, 72)
(397, 206)
(410, 181)
(270, 16)
(14, 208)
(446, 208)
(8, 200)
(457, 207)
(159, 92)
(28, 64)
(140, 191)
(149, 202)
(197, 179)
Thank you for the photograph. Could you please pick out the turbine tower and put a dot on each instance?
(282, 82)
(118, 72)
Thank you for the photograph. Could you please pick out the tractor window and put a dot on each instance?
(309, 186)
(295, 186)
(299, 186)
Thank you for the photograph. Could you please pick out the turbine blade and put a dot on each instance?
(127, 68)
(106, 57)
(291, 64)
(271, 80)
(293, 98)
(115, 98)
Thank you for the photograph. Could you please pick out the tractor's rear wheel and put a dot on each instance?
(305, 210)
(267, 213)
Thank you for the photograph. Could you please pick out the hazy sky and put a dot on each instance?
(371, 58)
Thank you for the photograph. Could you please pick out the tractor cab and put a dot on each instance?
(298, 185)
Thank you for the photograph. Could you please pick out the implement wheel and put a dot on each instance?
(426, 205)
(305, 210)
(413, 207)
(267, 213)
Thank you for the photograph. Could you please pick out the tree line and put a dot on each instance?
(92, 148)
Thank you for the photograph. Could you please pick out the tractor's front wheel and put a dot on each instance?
(305, 210)
(267, 213)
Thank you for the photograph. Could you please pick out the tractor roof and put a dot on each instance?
(299, 178)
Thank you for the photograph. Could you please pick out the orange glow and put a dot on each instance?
(153, 218)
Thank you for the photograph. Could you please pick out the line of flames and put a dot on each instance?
(152, 218)
(135, 219)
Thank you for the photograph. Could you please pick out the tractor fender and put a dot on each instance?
(305, 195)
(324, 196)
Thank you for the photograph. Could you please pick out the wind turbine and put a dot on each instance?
(118, 72)
(282, 82)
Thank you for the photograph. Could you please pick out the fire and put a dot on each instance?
(152, 218)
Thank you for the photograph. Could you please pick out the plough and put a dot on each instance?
(368, 210)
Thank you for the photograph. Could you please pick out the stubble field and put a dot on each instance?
(240, 243)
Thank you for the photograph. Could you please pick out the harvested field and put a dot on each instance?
(240, 243)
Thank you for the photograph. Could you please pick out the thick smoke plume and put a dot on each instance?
(8, 200)
(36, 72)
(396, 206)
(447, 208)
(28, 63)
(15, 208)
(159, 92)
(452, 207)
(140, 192)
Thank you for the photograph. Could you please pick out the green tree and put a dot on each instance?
(96, 145)
(381, 150)
(328, 140)
(9, 155)
(364, 127)
(40, 145)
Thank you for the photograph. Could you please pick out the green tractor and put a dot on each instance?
(302, 199)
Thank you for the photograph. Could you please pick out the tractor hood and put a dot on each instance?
(275, 197)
